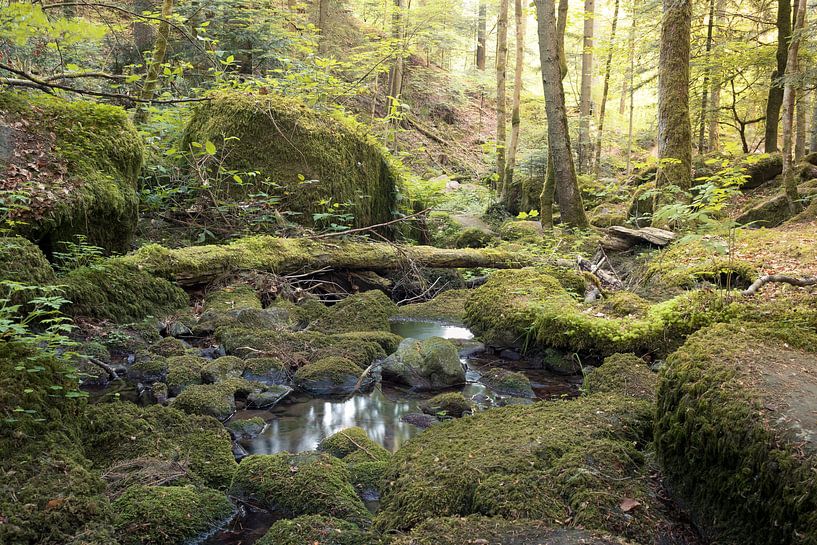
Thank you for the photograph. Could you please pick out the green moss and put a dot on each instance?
(524, 231)
(527, 461)
(247, 427)
(428, 364)
(498, 531)
(507, 383)
(448, 305)
(351, 440)
(232, 298)
(388, 341)
(316, 529)
(624, 303)
(21, 261)
(101, 153)
(169, 346)
(329, 376)
(473, 237)
(607, 215)
(299, 484)
(735, 430)
(345, 162)
(148, 369)
(168, 515)
(184, 371)
(624, 374)
(367, 311)
(449, 404)
(223, 368)
(216, 400)
(266, 370)
(120, 292)
(442, 229)
(367, 476)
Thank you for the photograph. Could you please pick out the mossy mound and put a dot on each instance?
(528, 308)
(360, 350)
(473, 237)
(608, 214)
(522, 231)
(539, 461)
(447, 306)
(498, 531)
(216, 400)
(388, 341)
(367, 311)
(329, 376)
(624, 303)
(89, 156)
(623, 374)
(316, 529)
(736, 433)
(184, 371)
(168, 515)
(299, 484)
(223, 368)
(447, 405)
(429, 364)
(120, 292)
(148, 369)
(232, 298)
(117, 432)
(169, 346)
(351, 440)
(21, 261)
(507, 383)
(247, 427)
(266, 370)
(313, 157)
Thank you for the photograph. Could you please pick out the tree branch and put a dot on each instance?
(779, 278)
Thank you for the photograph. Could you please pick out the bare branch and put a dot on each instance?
(779, 278)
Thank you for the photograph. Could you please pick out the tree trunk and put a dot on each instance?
(715, 101)
(705, 86)
(519, 20)
(396, 71)
(813, 145)
(501, 98)
(674, 129)
(801, 106)
(630, 81)
(482, 33)
(564, 170)
(323, 26)
(586, 90)
(790, 178)
(155, 68)
(775, 100)
(603, 105)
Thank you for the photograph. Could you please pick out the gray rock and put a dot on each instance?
(268, 398)
(507, 383)
(429, 364)
(420, 420)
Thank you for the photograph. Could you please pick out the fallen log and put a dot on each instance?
(198, 265)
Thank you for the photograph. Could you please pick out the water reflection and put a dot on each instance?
(424, 330)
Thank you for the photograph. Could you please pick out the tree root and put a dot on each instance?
(779, 278)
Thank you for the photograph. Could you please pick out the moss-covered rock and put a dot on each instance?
(169, 346)
(299, 484)
(120, 292)
(473, 237)
(608, 214)
(623, 374)
(266, 370)
(184, 371)
(360, 350)
(350, 441)
(539, 461)
(246, 427)
(22, 261)
(329, 376)
(447, 405)
(148, 369)
(447, 306)
(216, 400)
(268, 396)
(89, 156)
(312, 529)
(522, 231)
(736, 433)
(232, 298)
(507, 383)
(367, 311)
(388, 341)
(624, 303)
(223, 368)
(429, 364)
(168, 515)
(323, 156)
(498, 531)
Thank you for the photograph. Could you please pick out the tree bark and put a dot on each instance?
(586, 89)
(789, 91)
(705, 86)
(564, 170)
(630, 82)
(501, 95)
(775, 100)
(516, 121)
(674, 129)
(482, 33)
(323, 19)
(154, 69)
(801, 107)
(603, 105)
(813, 144)
(715, 102)
(396, 71)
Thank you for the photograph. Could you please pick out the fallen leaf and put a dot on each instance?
(628, 504)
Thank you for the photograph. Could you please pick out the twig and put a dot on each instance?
(372, 227)
(110, 370)
(779, 278)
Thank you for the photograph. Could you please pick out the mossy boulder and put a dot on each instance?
(507, 383)
(312, 529)
(447, 405)
(367, 311)
(21, 261)
(120, 292)
(232, 298)
(624, 374)
(88, 157)
(184, 371)
(268, 396)
(216, 400)
(350, 441)
(246, 427)
(388, 341)
(522, 231)
(168, 515)
(223, 368)
(169, 346)
(735, 430)
(429, 364)
(498, 531)
(329, 376)
(266, 370)
(299, 484)
(360, 350)
(313, 157)
(446, 306)
(148, 369)
(474, 237)
(544, 461)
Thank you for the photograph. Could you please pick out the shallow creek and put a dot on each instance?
(300, 422)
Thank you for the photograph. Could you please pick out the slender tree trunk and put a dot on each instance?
(482, 33)
(775, 100)
(396, 71)
(801, 106)
(789, 92)
(516, 121)
(549, 186)
(630, 81)
(323, 25)
(813, 145)
(705, 86)
(501, 96)
(715, 101)
(564, 170)
(603, 105)
(586, 90)
(155, 67)
(674, 129)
